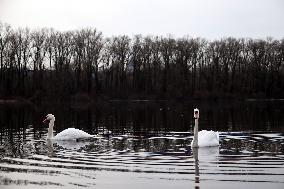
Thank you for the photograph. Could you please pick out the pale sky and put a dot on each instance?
(211, 19)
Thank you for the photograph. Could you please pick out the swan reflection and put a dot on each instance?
(196, 166)
(72, 144)
(204, 154)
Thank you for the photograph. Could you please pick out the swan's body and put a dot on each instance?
(67, 134)
(207, 139)
(203, 138)
(72, 134)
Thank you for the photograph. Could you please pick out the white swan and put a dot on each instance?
(67, 134)
(203, 138)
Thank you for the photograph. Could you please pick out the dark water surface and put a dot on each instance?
(150, 146)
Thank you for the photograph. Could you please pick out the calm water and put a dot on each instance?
(149, 147)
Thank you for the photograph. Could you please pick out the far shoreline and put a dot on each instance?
(88, 100)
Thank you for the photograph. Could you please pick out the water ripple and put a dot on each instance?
(241, 158)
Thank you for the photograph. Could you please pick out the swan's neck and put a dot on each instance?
(50, 129)
(195, 136)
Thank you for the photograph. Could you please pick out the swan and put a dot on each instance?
(67, 134)
(203, 138)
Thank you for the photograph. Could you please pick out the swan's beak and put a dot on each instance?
(45, 120)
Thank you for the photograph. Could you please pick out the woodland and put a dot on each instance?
(45, 64)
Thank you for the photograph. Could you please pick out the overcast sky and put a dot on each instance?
(211, 19)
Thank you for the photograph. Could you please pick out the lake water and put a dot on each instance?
(150, 146)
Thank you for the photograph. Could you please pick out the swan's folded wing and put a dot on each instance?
(208, 138)
(72, 134)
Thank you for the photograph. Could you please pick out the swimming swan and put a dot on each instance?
(67, 134)
(203, 138)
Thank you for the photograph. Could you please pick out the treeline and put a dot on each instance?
(61, 65)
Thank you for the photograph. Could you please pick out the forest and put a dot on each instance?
(45, 64)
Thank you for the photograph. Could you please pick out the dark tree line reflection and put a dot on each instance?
(145, 118)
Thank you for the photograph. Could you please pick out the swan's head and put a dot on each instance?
(196, 113)
(49, 117)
